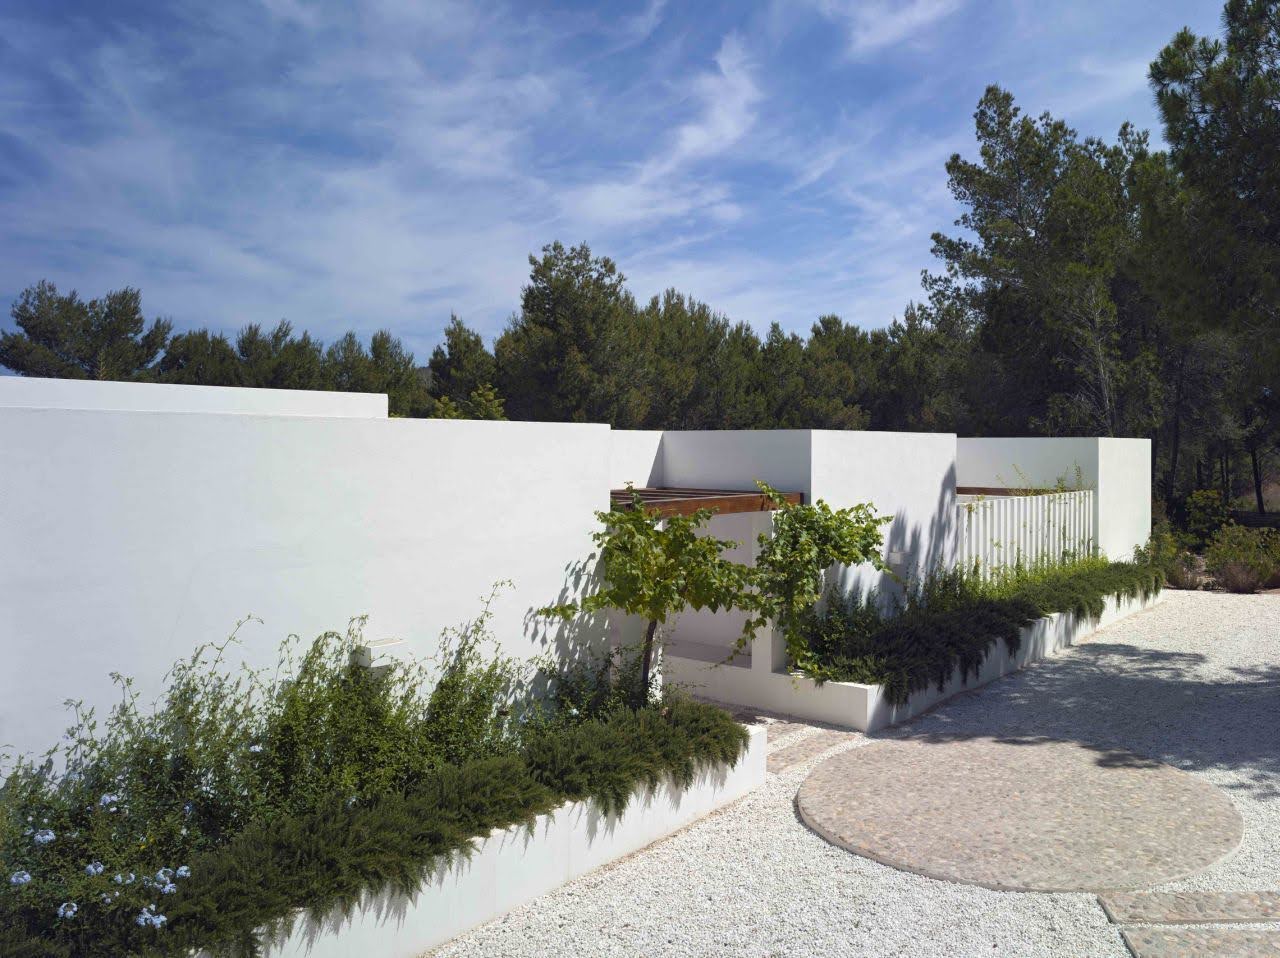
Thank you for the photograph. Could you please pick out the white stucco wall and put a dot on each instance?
(131, 537)
(167, 397)
(1124, 495)
(636, 458)
(910, 476)
(736, 458)
(1022, 462)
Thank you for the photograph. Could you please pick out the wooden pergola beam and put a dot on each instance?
(669, 501)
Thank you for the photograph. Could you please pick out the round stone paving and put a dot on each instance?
(1020, 814)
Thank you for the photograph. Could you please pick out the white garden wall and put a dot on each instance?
(143, 520)
(910, 476)
(865, 707)
(132, 537)
(635, 458)
(166, 397)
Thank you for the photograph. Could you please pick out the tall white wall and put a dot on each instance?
(636, 458)
(1026, 462)
(910, 476)
(132, 537)
(168, 397)
(1124, 495)
(736, 458)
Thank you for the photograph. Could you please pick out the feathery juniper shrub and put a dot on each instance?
(209, 820)
(952, 620)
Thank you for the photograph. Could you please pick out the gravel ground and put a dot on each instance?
(1194, 682)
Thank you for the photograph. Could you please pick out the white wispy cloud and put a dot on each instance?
(664, 185)
(874, 25)
(387, 162)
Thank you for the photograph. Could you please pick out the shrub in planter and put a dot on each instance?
(951, 621)
(238, 799)
(1241, 559)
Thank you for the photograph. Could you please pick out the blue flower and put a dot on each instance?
(123, 880)
(19, 878)
(164, 874)
(93, 868)
(110, 799)
(183, 871)
(255, 749)
(148, 916)
(67, 909)
(45, 836)
(168, 889)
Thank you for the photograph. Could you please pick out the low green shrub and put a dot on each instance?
(1205, 513)
(951, 621)
(1170, 552)
(209, 820)
(1241, 559)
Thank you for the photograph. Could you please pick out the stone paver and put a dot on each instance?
(1201, 943)
(1028, 814)
(1191, 907)
(806, 748)
(777, 730)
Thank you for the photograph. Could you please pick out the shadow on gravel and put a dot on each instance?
(1110, 696)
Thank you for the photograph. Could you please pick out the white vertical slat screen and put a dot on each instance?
(999, 531)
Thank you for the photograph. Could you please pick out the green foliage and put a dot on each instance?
(1242, 559)
(385, 367)
(790, 569)
(484, 403)
(241, 799)
(279, 359)
(951, 621)
(461, 364)
(656, 566)
(65, 337)
(1206, 513)
(575, 352)
(1169, 552)
(1220, 102)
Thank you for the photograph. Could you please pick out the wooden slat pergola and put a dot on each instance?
(669, 501)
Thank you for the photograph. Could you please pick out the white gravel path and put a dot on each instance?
(1194, 682)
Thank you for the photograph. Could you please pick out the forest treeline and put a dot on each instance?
(1093, 287)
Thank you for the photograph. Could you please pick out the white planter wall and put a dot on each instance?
(517, 865)
(864, 707)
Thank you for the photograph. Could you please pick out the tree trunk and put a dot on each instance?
(1176, 440)
(1257, 479)
(646, 664)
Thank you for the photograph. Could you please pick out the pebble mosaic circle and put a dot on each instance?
(1025, 814)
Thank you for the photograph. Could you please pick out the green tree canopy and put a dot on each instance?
(1220, 102)
(461, 364)
(575, 352)
(63, 336)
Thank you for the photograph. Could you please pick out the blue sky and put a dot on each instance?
(383, 164)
